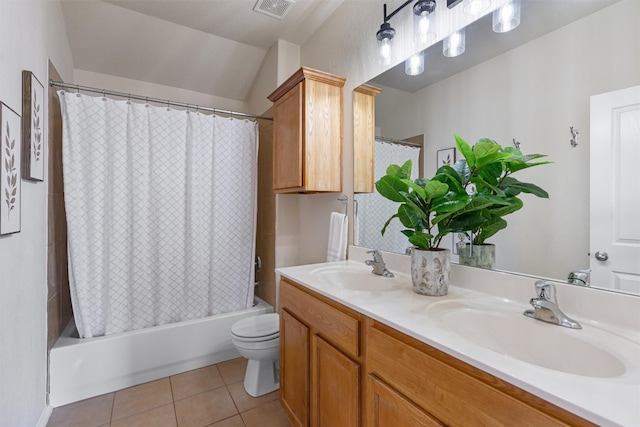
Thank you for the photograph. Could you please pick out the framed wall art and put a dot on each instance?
(10, 202)
(32, 135)
(446, 157)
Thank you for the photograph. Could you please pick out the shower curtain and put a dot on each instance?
(374, 210)
(161, 213)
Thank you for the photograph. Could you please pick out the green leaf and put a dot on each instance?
(512, 184)
(491, 158)
(402, 172)
(415, 187)
(466, 151)
(386, 224)
(434, 189)
(484, 148)
(410, 217)
(390, 186)
(422, 241)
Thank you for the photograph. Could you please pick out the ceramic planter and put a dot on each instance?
(483, 256)
(430, 271)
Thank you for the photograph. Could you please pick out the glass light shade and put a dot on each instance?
(415, 64)
(475, 7)
(454, 44)
(507, 17)
(385, 44)
(422, 21)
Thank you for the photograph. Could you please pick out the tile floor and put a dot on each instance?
(212, 396)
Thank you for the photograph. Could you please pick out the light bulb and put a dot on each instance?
(475, 7)
(454, 45)
(415, 64)
(507, 17)
(422, 11)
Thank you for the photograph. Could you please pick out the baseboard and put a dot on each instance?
(44, 416)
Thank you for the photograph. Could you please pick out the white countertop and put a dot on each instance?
(604, 401)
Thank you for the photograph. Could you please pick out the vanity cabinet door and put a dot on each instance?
(335, 385)
(388, 408)
(294, 369)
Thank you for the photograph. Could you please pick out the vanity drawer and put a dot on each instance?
(339, 326)
(453, 391)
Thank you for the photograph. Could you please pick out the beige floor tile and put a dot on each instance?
(235, 421)
(232, 371)
(141, 398)
(270, 414)
(205, 408)
(196, 382)
(244, 401)
(86, 413)
(162, 416)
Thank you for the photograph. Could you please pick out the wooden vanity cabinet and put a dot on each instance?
(307, 133)
(364, 134)
(339, 368)
(320, 359)
(407, 376)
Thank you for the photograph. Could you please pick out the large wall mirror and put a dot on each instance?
(530, 86)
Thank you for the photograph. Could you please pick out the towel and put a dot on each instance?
(337, 246)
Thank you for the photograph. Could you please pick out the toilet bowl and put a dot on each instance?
(257, 338)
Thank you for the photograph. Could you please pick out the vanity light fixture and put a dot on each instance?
(415, 64)
(506, 17)
(422, 10)
(422, 25)
(475, 7)
(454, 44)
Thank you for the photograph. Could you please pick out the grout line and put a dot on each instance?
(173, 400)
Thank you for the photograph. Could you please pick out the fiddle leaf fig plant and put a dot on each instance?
(426, 206)
(486, 173)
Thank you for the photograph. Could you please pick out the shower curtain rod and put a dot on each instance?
(398, 141)
(156, 100)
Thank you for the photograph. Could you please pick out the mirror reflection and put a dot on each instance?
(538, 87)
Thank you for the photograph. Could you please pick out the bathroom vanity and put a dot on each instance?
(365, 350)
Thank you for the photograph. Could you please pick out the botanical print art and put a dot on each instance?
(32, 111)
(446, 157)
(10, 170)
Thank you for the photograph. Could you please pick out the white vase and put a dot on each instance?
(430, 271)
(482, 256)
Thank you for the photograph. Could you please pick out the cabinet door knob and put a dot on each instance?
(602, 256)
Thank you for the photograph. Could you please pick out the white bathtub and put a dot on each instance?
(83, 368)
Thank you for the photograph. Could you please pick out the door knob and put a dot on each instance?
(602, 256)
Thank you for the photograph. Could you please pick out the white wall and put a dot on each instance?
(535, 93)
(31, 32)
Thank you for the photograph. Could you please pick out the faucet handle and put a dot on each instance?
(546, 289)
(377, 256)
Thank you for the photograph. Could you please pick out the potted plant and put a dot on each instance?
(486, 172)
(426, 210)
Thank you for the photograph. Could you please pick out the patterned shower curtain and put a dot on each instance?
(374, 210)
(161, 213)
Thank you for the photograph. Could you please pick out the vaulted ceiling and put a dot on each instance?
(209, 46)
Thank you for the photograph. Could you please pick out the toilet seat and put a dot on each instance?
(264, 327)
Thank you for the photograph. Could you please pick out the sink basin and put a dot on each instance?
(360, 278)
(503, 329)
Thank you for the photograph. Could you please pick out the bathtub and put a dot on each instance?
(83, 368)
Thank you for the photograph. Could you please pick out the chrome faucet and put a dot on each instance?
(545, 306)
(378, 264)
(579, 277)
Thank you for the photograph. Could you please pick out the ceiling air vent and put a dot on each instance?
(274, 8)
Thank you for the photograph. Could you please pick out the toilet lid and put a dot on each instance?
(261, 326)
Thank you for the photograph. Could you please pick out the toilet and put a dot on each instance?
(257, 338)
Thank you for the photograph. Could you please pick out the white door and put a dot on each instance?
(615, 190)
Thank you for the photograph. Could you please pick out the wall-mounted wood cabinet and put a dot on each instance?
(307, 133)
(364, 134)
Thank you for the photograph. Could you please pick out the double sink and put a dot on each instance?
(499, 326)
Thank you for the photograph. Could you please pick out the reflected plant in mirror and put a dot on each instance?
(533, 84)
(486, 172)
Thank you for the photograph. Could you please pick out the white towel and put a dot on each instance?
(337, 246)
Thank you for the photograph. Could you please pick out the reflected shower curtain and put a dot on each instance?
(374, 210)
(161, 213)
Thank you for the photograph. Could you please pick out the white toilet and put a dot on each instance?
(257, 338)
